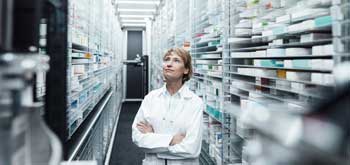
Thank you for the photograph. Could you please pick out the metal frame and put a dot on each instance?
(56, 86)
(89, 129)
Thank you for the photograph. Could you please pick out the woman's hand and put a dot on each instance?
(144, 127)
(177, 138)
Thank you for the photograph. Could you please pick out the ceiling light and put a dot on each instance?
(137, 10)
(139, 2)
(136, 16)
(130, 20)
(133, 24)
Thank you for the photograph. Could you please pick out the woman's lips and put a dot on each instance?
(168, 70)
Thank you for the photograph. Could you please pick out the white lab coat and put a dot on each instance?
(169, 115)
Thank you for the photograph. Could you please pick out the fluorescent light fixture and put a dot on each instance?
(130, 20)
(138, 10)
(136, 16)
(133, 24)
(139, 2)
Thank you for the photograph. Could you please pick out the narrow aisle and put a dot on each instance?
(125, 152)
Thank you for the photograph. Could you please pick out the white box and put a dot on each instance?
(314, 37)
(328, 49)
(298, 86)
(277, 42)
(303, 76)
(241, 54)
(267, 33)
(328, 64)
(244, 23)
(239, 32)
(275, 52)
(317, 50)
(317, 78)
(78, 69)
(297, 51)
(309, 24)
(257, 62)
(283, 19)
(283, 84)
(317, 64)
(260, 53)
(288, 63)
(328, 79)
(265, 73)
(309, 13)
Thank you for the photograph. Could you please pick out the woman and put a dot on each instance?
(168, 124)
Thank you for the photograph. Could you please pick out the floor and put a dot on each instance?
(124, 151)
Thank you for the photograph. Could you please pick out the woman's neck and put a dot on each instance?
(173, 87)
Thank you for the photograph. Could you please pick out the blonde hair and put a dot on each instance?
(186, 57)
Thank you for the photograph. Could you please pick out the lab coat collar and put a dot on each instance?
(184, 91)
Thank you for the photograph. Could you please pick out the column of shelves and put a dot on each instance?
(92, 54)
(280, 54)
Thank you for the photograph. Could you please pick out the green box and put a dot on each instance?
(323, 21)
(304, 64)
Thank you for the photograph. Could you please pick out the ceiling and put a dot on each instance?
(134, 13)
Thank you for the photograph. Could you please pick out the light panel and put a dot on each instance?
(139, 2)
(137, 10)
(130, 20)
(137, 16)
(133, 24)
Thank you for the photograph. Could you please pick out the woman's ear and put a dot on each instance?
(186, 71)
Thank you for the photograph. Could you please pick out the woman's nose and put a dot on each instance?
(169, 63)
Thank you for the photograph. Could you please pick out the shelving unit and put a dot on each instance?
(286, 59)
(84, 88)
(250, 54)
(92, 57)
(206, 50)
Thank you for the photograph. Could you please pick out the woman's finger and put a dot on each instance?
(141, 125)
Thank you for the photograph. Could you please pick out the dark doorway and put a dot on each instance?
(134, 83)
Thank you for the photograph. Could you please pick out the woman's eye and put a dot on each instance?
(177, 61)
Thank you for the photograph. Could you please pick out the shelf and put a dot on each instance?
(275, 78)
(83, 63)
(233, 109)
(247, 49)
(204, 42)
(209, 64)
(83, 109)
(284, 57)
(278, 98)
(204, 156)
(205, 48)
(206, 58)
(209, 52)
(79, 51)
(304, 44)
(250, 41)
(79, 47)
(267, 39)
(278, 88)
(214, 113)
(288, 45)
(239, 95)
(282, 68)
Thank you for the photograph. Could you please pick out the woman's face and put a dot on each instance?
(174, 67)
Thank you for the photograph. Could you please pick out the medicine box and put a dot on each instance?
(297, 76)
(297, 51)
(314, 37)
(260, 53)
(302, 64)
(275, 52)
